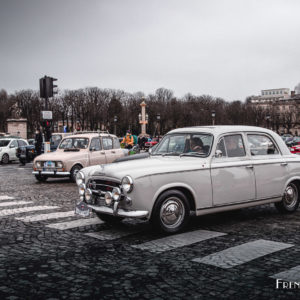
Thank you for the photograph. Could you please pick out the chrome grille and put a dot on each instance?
(101, 186)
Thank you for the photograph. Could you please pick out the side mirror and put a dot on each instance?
(12, 146)
(218, 154)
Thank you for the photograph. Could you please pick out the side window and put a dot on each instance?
(13, 144)
(221, 147)
(107, 143)
(234, 145)
(95, 144)
(21, 143)
(261, 145)
(116, 143)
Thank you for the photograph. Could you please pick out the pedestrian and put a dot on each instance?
(128, 140)
(38, 141)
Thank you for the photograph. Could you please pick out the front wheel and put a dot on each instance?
(290, 199)
(5, 158)
(171, 212)
(41, 178)
(109, 218)
(74, 172)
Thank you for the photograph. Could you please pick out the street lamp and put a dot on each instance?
(140, 117)
(268, 119)
(213, 115)
(115, 125)
(158, 125)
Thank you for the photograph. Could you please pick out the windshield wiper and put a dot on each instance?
(197, 154)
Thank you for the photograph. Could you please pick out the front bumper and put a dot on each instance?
(51, 173)
(119, 212)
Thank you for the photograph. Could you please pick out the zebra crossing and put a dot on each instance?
(225, 259)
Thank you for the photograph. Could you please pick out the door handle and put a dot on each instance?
(102, 152)
(284, 164)
(249, 167)
(113, 151)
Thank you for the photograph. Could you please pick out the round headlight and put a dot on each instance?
(59, 164)
(108, 198)
(79, 178)
(127, 184)
(81, 189)
(116, 194)
(88, 195)
(38, 164)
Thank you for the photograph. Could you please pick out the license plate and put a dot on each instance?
(82, 209)
(49, 164)
(47, 170)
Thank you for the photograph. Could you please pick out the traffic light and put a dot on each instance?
(47, 87)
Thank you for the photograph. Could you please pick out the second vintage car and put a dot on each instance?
(76, 152)
(195, 171)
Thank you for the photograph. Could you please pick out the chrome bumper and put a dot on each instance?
(53, 173)
(119, 211)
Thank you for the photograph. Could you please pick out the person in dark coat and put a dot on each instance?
(38, 141)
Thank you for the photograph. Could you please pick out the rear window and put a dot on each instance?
(4, 143)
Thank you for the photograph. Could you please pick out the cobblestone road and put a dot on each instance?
(46, 252)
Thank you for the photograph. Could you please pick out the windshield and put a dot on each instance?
(55, 139)
(193, 144)
(4, 143)
(74, 143)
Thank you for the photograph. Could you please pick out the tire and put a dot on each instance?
(109, 219)
(74, 171)
(41, 178)
(290, 200)
(23, 162)
(171, 212)
(5, 158)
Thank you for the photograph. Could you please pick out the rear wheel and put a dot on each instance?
(22, 161)
(41, 178)
(290, 199)
(74, 172)
(109, 218)
(171, 212)
(5, 158)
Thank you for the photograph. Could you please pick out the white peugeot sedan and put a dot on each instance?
(8, 148)
(195, 171)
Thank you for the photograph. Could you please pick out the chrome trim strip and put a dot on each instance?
(51, 173)
(120, 212)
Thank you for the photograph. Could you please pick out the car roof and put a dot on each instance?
(221, 129)
(89, 135)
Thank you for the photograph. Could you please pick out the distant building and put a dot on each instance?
(280, 109)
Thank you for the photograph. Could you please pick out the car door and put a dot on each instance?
(232, 175)
(270, 168)
(12, 150)
(107, 143)
(96, 153)
(117, 148)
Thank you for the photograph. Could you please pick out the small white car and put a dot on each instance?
(195, 171)
(8, 148)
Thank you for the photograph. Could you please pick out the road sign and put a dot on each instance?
(47, 115)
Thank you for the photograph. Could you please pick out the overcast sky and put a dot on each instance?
(229, 49)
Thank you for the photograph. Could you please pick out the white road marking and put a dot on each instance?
(14, 203)
(4, 197)
(8, 212)
(178, 240)
(75, 223)
(241, 254)
(292, 275)
(112, 234)
(49, 216)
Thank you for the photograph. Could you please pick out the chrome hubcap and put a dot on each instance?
(172, 212)
(291, 195)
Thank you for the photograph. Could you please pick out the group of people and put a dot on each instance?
(130, 140)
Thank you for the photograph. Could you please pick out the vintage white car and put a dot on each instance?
(195, 171)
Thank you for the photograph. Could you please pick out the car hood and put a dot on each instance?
(149, 166)
(60, 155)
